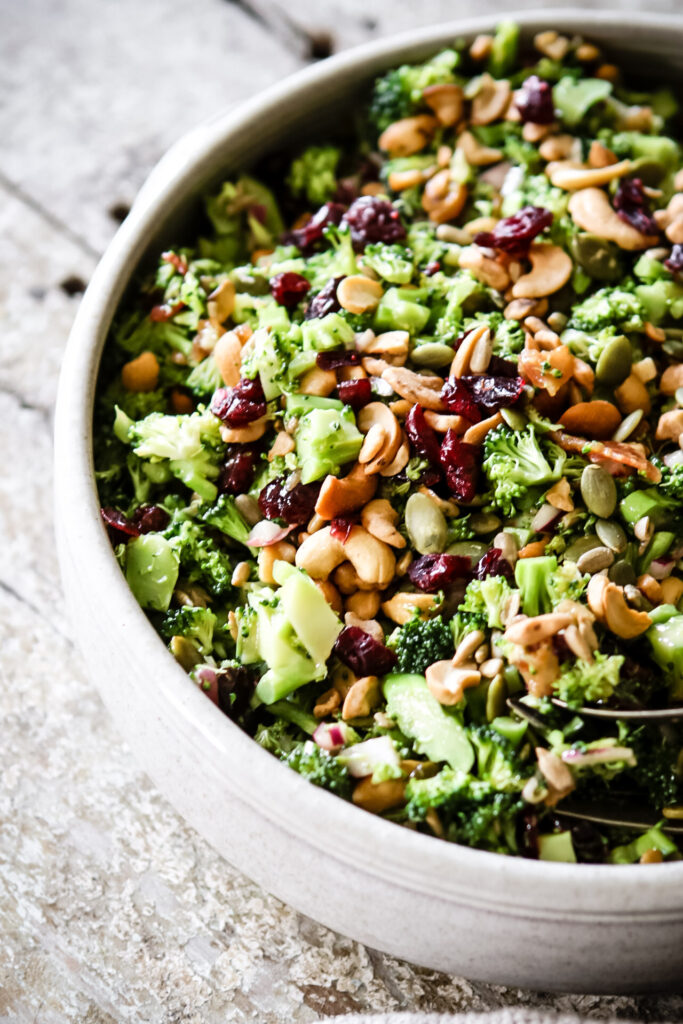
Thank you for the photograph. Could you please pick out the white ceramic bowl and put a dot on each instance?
(506, 920)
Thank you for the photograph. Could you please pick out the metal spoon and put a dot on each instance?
(606, 812)
(644, 715)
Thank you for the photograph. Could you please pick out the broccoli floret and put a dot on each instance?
(609, 307)
(487, 598)
(671, 484)
(421, 642)
(534, 190)
(653, 839)
(245, 216)
(591, 346)
(504, 49)
(151, 567)
(277, 738)
(393, 263)
(661, 300)
(544, 584)
(665, 636)
(320, 768)
(201, 559)
(196, 624)
(583, 683)
(398, 93)
(135, 404)
(656, 769)
(204, 378)
(313, 173)
(514, 462)
(227, 518)
(498, 761)
(326, 439)
(573, 98)
(337, 260)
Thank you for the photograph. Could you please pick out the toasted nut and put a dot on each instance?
(408, 136)
(221, 302)
(595, 595)
(415, 387)
(481, 47)
(461, 359)
(577, 644)
(556, 773)
(595, 560)
(358, 294)
(282, 445)
(590, 209)
(282, 551)
(476, 154)
(331, 595)
(401, 407)
(375, 440)
(447, 102)
(597, 420)
(528, 632)
(340, 496)
(653, 856)
(491, 101)
(672, 590)
(443, 199)
(632, 395)
(244, 435)
(467, 646)
(364, 603)
(478, 431)
(650, 587)
(551, 268)
(535, 132)
(619, 618)
(481, 353)
(484, 268)
(227, 355)
(402, 606)
(473, 227)
(644, 529)
(379, 518)
(372, 560)
(670, 425)
(557, 147)
(532, 550)
(587, 52)
(181, 404)
(347, 580)
(410, 178)
(672, 379)
(379, 796)
(141, 374)
(240, 574)
(376, 414)
(491, 668)
(370, 626)
(571, 179)
(444, 155)
(600, 156)
(559, 496)
(317, 381)
(327, 703)
(391, 343)
(551, 44)
(608, 72)
(448, 684)
(518, 309)
(362, 698)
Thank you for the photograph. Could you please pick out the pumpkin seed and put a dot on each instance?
(496, 696)
(614, 364)
(622, 574)
(628, 425)
(598, 258)
(611, 535)
(598, 491)
(426, 525)
(515, 420)
(483, 523)
(472, 549)
(433, 354)
(579, 547)
(595, 560)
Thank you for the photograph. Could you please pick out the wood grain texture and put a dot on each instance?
(111, 909)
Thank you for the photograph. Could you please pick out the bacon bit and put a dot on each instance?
(547, 370)
(618, 458)
(159, 314)
(179, 262)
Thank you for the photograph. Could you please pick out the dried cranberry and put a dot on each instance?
(434, 572)
(674, 263)
(355, 393)
(179, 262)
(148, 518)
(362, 653)
(422, 437)
(515, 234)
(288, 289)
(325, 301)
(332, 360)
(459, 460)
(500, 367)
(238, 470)
(312, 232)
(633, 206)
(340, 528)
(432, 268)
(159, 314)
(457, 398)
(119, 527)
(493, 564)
(373, 220)
(346, 191)
(494, 393)
(534, 101)
(295, 504)
(258, 211)
(239, 405)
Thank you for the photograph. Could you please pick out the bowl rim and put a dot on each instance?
(335, 827)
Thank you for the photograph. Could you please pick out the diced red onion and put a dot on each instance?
(331, 736)
(265, 533)
(546, 517)
(660, 568)
(601, 755)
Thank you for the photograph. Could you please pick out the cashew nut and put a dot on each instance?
(447, 102)
(558, 147)
(244, 435)
(221, 302)
(560, 496)
(632, 395)
(518, 309)
(442, 198)
(370, 626)
(484, 268)
(377, 415)
(339, 496)
(551, 44)
(590, 209)
(476, 154)
(600, 156)
(564, 175)
(528, 632)
(670, 425)
(461, 359)
(400, 460)
(443, 422)
(467, 646)
(408, 136)
(556, 773)
(317, 381)
(672, 379)
(607, 602)
(478, 431)
(282, 445)
(402, 606)
(551, 268)
(359, 294)
(327, 703)
(391, 343)
(415, 387)
(372, 559)
(491, 101)
(331, 595)
(364, 604)
(141, 374)
(282, 551)
(227, 355)
(362, 698)
(379, 518)
(448, 683)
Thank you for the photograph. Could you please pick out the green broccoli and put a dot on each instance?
(326, 439)
(665, 636)
(656, 770)
(398, 93)
(393, 263)
(504, 48)
(661, 300)
(203, 379)
(498, 760)
(227, 518)
(609, 307)
(245, 216)
(201, 558)
(151, 567)
(653, 839)
(583, 683)
(514, 462)
(194, 623)
(313, 173)
(544, 584)
(277, 737)
(421, 642)
(487, 598)
(573, 98)
(320, 768)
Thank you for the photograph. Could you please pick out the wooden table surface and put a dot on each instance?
(111, 909)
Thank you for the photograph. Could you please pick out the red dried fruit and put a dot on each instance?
(515, 234)
(494, 393)
(435, 572)
(674, 263)
(159, 314)
(422, 437)
(499, 367)
(355, 393)
(362, 653)
(238, 470)
(373, 220)
(119, 527)
(432, 268)
(341, 527)
(179, 262)
(332, 360)
(458, 399)
(534, 101)
(493, 564)
(460, 462)
(150, 517)
(288, 289)
(306, 237)
(295, 505)
(325, 301)
(633, 206)
(239, 405)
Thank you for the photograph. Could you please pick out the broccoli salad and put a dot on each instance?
(390, 454)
